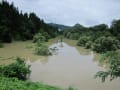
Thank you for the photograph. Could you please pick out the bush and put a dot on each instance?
(104, 44)
(39, 37)
(42, 50)
(74, 36)
(113, 61)
(15, 84)
(83, 40)
(46, 35)
(88, 45)
(18, 69)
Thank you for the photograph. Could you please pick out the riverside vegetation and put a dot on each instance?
(18, 26)
(40, 47)
(13, 76)
(100, 38)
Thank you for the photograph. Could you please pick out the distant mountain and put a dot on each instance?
(59, 26)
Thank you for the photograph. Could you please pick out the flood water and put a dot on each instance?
(68, 67)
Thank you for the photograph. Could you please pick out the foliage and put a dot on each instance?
(1, 45)
(113, 59)
(100, 37)
(15, 84)
(74, 32)
(18, 69)
(88, 44)
(104, 44)
(46, 35)
(15, 25)
(115, 28)
(39, 37)
(41, 49)
(74, 36)
(83, 40)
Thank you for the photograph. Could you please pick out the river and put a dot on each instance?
(68, 67)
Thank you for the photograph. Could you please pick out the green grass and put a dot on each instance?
(15, 84)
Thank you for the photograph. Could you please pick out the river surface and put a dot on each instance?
(68, 67)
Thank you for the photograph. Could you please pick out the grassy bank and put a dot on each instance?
(15, 84)
(14, 77)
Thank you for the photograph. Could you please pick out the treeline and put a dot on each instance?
(15, 25)
(99, 38)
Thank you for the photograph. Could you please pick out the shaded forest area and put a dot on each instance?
(15, 25)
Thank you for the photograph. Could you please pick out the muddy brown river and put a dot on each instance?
(68, 67)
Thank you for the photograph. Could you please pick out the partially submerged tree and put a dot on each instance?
(18, 69)
(113, 61)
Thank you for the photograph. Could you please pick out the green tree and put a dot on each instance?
(104, 44)
(115, 27)
(83, 40)
(15, 25)
(113, 61)
(39, 37)
(19, 69)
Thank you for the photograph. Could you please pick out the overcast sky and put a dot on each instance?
(70, 12)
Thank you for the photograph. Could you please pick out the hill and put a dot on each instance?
(59, 26)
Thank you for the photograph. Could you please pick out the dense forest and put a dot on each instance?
(15, 25)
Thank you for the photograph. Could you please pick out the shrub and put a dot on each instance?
(15, 84)
(88, 44)
(39, 37)
(46, 35)
(74, 36)
(113, 61)
(18, 69)
(42, 50)
(104, 44)
(83, 40)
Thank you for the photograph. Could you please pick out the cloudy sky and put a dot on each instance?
(70, 12)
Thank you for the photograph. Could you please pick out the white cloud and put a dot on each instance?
(69, 12)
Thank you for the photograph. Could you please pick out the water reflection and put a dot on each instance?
(69, 67)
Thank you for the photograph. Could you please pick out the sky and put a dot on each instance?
(70, 12)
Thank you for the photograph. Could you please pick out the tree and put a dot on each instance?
(83, 40)
(39, 38)
(19, 69)
(113, 61)
(115, 27)
(104, 44)
(15, 25)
